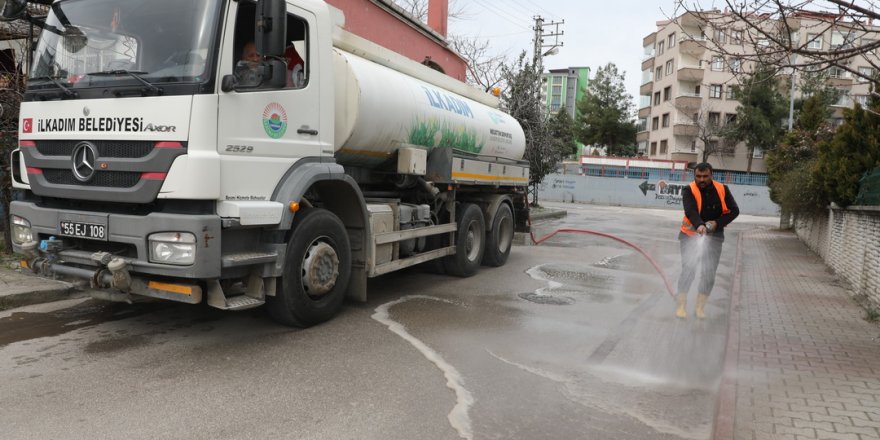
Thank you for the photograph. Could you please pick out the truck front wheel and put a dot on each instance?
(500, 238)
(470, 242)
(317, 268)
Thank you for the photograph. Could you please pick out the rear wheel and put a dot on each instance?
(500, 238)
(317, 268)
(470, 242)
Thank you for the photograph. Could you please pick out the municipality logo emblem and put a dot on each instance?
(275, 120)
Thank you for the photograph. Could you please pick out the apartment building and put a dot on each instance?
(563, 89)
(687, 83)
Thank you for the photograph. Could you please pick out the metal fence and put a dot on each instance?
(652, 174)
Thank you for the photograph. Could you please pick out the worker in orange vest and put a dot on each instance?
(708, 208)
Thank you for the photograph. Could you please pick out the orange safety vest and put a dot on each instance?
(686, 226)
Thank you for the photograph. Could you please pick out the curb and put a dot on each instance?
(51, 291)
(548, 214)
(725, 406)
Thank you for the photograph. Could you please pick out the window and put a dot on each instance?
(720, 36)
(862, 100)
(718, 64)
(664, 145)
(758, 153)
(669, 67)
(763, 42)
(841, 40)
(866, 42)
(736, 37)
(715, 91)
(557, 79)
(642, 125)
(658, 74)
(671, 41)
(653, 148)
(867, 72)
(714, 119)
(735, 65)
(730, 118)
(295, 55)
(660, 48)
(646, 76)
(657, 98)
(814, 41)
(694, 146)
(667, 93)
(838, 73)
(655, 124)
(666, 120)
(731, 94)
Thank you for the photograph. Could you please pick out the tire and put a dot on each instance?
(470, 242)
(318, 246)
(499, 239)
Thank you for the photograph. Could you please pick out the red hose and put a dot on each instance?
(602, 234)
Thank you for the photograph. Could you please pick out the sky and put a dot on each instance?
(596, 32)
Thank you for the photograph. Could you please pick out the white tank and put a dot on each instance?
(379, 110)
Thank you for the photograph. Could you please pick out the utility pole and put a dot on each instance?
(540, 45)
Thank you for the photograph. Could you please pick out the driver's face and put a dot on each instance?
(250, 53)
(703, 178)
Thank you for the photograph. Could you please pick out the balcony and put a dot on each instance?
(693, 45)
(649, 40)
(648, 63)
(643, 136)
(644, 112)
(646, 88)
(688, 101)
(685, 129)
(691, 73)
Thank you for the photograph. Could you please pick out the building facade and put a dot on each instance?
(563, 89)
(689, 68)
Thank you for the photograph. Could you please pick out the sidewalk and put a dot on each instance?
(801, 362)
(21, 289)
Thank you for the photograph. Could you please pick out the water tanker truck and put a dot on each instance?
(154, 161)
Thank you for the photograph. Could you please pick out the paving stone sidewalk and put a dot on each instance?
(807, 363)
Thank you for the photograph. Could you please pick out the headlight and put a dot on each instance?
(173, 248)
(21, 230)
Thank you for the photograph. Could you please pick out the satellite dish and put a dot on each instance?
(12, 9)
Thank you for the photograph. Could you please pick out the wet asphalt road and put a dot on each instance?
(575, 339)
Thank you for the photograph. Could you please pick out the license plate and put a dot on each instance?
(83, 230)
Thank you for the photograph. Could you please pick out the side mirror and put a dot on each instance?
(271, 27)
(227, 84)
(12, 9)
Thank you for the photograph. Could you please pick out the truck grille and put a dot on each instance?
(110, 179)
(121, 149)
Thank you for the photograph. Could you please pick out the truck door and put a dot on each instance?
(264, 124)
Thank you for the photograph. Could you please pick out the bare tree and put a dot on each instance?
(12, 85)
(768, 26)
(706, 125)
(419, 9)
(484, 70)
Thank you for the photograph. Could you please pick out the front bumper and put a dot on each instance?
(131, 231)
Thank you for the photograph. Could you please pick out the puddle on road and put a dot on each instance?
(23, 326)
(566, 284)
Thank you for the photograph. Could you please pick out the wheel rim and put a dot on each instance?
(320, 268)
(505, 234)
(473, 241)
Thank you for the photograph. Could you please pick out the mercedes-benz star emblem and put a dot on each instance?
(86, 111)
(85, 155)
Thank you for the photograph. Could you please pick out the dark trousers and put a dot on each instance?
(705, 255)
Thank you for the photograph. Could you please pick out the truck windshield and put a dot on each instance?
(126, 43)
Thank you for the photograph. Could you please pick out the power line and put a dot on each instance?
(504, 15)
(550, 14)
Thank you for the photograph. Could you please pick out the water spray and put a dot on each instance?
(660, 271)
